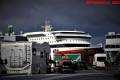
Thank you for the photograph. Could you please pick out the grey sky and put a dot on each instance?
(29, 15)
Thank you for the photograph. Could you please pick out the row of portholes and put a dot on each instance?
(74, 40)
(49, 41)
(41, 38)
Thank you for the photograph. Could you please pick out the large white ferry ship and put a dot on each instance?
(60, 40)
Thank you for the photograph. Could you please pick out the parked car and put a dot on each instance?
(66, 66)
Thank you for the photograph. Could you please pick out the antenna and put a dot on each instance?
(47, 23)
(47, 27)
(10, 29)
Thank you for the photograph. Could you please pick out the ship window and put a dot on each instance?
(70, 45)
(72, 37)
(69, 33)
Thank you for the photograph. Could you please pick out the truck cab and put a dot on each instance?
(99, 60)
(67, 60)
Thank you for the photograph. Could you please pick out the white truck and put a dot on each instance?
(99, 60)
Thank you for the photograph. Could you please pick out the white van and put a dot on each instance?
(99, 60)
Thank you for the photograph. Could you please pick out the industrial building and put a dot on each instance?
(18, 56)
(112, 46)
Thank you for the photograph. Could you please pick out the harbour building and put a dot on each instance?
(112, 46)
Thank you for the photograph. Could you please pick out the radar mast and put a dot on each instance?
(47, 27)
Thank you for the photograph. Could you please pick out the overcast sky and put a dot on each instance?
(29, 15)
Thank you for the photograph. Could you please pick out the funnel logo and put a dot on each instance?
(55, 50)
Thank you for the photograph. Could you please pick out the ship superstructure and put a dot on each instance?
(60, 40)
